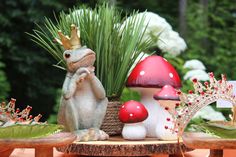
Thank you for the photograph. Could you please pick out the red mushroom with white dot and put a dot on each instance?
(132, 114)
(168, 98)
(148, 77)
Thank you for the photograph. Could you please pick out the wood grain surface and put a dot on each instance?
(205, 141)
(117, 146)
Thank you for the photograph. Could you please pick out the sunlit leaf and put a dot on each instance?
(222, 130)
(29, 131)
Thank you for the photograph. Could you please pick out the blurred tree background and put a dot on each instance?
(26, 71)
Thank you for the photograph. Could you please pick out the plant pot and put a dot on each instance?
(111, 123)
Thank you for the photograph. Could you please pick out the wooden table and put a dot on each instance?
(205, 141)
(116, 146)
(43, 146)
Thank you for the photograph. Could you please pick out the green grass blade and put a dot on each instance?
(101, 30)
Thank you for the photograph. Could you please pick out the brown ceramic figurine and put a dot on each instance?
(83, 105)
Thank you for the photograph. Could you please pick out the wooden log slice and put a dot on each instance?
(116, 146)
(205, 141)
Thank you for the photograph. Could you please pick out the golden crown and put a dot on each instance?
(201, 96)
(70, 43)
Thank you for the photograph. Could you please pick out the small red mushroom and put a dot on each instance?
(167, 97)
(132, 113)
(167, 93)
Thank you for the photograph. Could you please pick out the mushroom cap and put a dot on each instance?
(153, 71)
(167, 93)
(132, 112)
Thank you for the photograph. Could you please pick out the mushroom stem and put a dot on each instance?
(134, 131)
(157, 119)
(153, 109)
(170, 103)
(168, 134)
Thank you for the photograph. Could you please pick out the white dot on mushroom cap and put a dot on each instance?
(131, 115)
(123, 106)
(171, 75)
(166, 95)
(142, 72)
(165, 59)
(138, 107)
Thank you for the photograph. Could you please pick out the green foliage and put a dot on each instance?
(218, 129)
(53, 116)
(117, 46)
(4, 84)
(193, 123)
(32, 78)
(129, 94)
(211, 35)
(29, 131)
(165, 8)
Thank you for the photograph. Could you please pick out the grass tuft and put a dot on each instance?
(117, 46)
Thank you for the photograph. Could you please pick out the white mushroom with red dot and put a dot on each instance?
(148, 77)
(132, 114)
